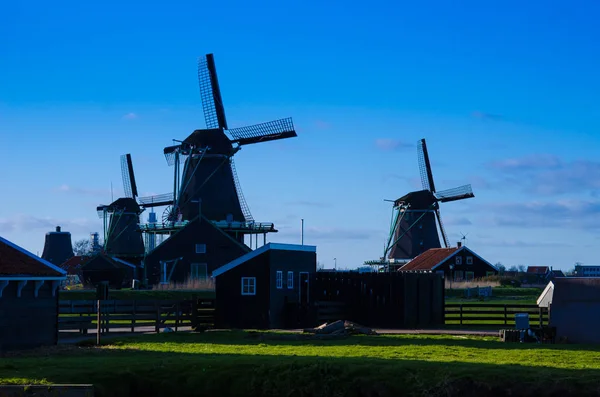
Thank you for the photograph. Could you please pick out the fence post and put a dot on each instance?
(505, 315)
(157, 324)
(461, 315)
(541, 318)
(133, 316)
(194, 319)
(98, 323)
(177, 307)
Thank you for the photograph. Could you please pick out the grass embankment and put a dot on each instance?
(139, 294)
(500, 295)
(269, 364)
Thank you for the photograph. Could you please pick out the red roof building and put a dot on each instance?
(28, 298)
(457, 263)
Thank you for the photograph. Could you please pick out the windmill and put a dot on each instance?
(122, 236)
(413, 227)
(463, 238)
(205, 178)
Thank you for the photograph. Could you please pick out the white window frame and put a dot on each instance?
(458, 260)
(197, 266)
(469, 260)
(251, 283)
(279, 279)
(290, 280)
(201, 248)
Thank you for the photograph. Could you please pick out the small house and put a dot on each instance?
(457, 263)
(102, 267)
(573, 304)
(265, 288)
(28, 299)
(192, 253)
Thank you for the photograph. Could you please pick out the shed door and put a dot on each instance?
(304, 288)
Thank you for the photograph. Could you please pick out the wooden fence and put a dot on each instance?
(385, 300)
(473, 314)
(131, 314)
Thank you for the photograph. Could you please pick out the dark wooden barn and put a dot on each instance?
(29, 289)
(573, 304)
(193, 252)
(103, 267)
(266, 288)
(458, 263)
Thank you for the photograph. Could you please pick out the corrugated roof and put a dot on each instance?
(576, 289)
(428, 259)
(18, 262)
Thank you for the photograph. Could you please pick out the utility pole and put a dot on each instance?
(335, 263)
(302, 232)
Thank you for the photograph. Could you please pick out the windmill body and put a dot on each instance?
(416, 217)
(208, 181)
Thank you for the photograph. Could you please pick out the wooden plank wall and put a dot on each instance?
(384, 300)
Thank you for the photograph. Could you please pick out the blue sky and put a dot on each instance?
(506, 94)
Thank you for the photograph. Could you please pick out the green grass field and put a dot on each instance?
(270, 364)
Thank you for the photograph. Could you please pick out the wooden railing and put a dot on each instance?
(132, 314)
(473, 314)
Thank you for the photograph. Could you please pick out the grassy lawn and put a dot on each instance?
(270, 364)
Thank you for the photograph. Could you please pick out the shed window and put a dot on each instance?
(279, 279)
(201, 248)
(198, 271)
(458, 260)
(248, 285)
(458, 275)
(290, 280)
(470, 276)
(469, 260)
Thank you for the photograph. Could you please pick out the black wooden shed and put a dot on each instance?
(265, 288)
(28, 299)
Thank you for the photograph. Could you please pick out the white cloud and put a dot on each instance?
(27, 223)
(387, 144)
(130, 116)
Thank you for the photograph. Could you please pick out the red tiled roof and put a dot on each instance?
(537, 269)
(428, 259)
(73, 264)
(17, 262)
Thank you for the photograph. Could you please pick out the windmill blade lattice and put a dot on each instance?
(457, 193)
(129, 185)
(425, 167)
(442, 229)
(272, 130)
(210, 93)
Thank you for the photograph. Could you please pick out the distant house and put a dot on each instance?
(458, 263)
(28, 298)
(573, 304)
(542, 273)
(266, 288)
(103, 267)
(587, 270)
(73, 265)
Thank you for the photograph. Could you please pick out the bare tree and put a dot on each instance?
(522, 268)
(82, 247)
(513, 268)
(501, 268)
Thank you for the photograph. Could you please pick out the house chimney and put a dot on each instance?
(58, 228)
(459, 244)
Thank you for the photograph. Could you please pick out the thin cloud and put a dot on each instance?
(562, 214)
(26, 223)
(525, 244)
(387, 144)
(64, 188)
(308, 203)
(546, 174)
(319, 234)
(323, 125)
(456, 220)
(130, 116)
(487, 116)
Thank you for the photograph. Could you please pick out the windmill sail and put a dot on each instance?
(129, 185)
(212, 103)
